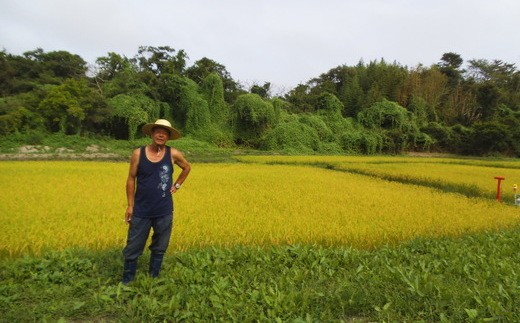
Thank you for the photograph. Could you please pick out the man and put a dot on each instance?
(150, 204)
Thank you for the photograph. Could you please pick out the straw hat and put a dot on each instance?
(147, 129)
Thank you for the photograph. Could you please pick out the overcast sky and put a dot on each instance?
(285, 42)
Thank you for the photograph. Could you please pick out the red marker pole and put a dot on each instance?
(499, 179)
(517, 199)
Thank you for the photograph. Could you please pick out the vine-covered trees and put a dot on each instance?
(202, 68)
(251, 118)
(445, 101)
(397, 126)
(212, 89)
(375, 107)
(134, 109)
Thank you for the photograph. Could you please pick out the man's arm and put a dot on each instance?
(130, 185)
(179, 160)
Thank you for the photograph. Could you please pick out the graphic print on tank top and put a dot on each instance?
(164, 176)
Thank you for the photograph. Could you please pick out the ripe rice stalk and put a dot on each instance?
(59, 205)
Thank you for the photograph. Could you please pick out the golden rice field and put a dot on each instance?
(476, 173)
(62, 204)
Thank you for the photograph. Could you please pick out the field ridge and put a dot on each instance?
(468, 190)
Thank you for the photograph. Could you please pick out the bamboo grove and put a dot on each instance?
(453, 106)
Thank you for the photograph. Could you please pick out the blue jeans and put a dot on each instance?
(138, 233)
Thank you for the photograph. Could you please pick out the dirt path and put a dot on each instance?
(44, 153)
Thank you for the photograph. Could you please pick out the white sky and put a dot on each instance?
(285, 42)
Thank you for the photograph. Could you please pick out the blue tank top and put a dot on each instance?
(154, 180)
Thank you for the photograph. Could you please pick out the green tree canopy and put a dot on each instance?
(161, 60)
(135, 110)
(202, 68)
(213, 92)
(252, 116)
(66, 106)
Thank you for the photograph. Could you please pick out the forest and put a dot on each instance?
(454, 106)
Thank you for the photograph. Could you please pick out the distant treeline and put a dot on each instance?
(368, 108)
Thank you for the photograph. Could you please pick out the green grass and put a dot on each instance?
(472, 278)
(115, 150)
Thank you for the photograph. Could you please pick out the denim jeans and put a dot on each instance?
(138, 233)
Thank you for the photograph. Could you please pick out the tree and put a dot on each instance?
(397, 125)
(135, 110)
(205, 110)
(351, 94)
(198, 117)
(292, 137)
(300, 98)
(317, 123)
(494, 83)
(61, 64)
(111, 65)
(57, 106)
(490, 137)
(19, 74)
(8, 72)
(497, 71)
(66, 106)
(161, 60)
(124, 81)
(328, 104)
(385, 114)
(14, 117)
(488, 97)
(430, 85)
(170, 89)
(213, 92)
(451, 60)
(419, 107)
(204, 67)
(263, 91)
(450, 66)
(252, 117)
(460, 106)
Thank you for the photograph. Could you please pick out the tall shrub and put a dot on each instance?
(385, 114)
(198, 117)
(134, 110)
(329, 105)
(398, 127)
(491, 137)
(251, 117)
(317, 123)
(212, 90)
(292, 137)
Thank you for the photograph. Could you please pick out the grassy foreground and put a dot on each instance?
(471, 278)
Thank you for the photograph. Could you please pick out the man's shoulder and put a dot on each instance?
(174, 150)
(137, 151)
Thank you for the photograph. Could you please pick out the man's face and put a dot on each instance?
(160, 136)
